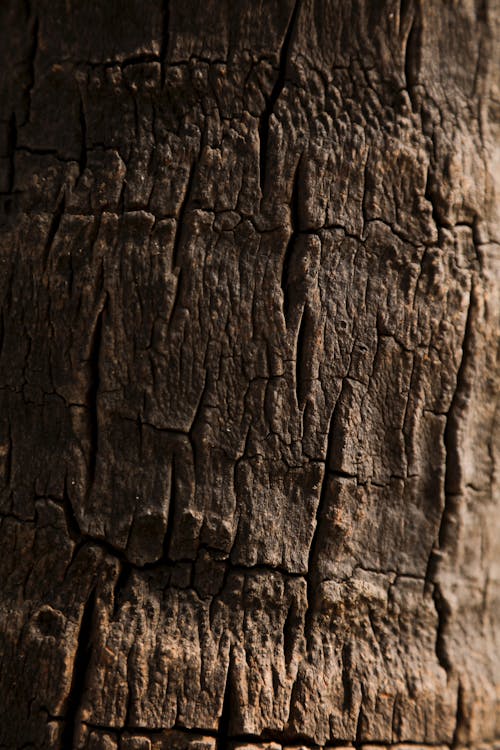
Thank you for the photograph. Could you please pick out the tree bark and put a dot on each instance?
(249, 374)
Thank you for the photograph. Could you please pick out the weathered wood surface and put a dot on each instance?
(249, 374)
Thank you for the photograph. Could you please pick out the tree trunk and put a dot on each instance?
(249, 374)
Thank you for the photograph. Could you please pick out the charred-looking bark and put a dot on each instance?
(249, 323)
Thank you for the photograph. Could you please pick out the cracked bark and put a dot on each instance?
(249, 375)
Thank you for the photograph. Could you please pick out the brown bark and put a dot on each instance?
(249, 374)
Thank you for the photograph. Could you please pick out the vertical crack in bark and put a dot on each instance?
(93, 391)
(223, 728)
(2, 330)
(164, 40)
(120, 583)
(199, 407)
(460, 716)
(291, 303)
(412, 51)
(8, 457)
(180, 220)
(429, 196)
(452, 482)
(167, 540)
(366, 186)
(130, 685)
(288, 637)
(53, 229)
(459, 401)
(72, 524)
(299, 359)
(80, 669)
(347, 676)
(359, 737)
(11, 150)
(32, 59)
(320, 510)
(443, 611)
(177, 293)
(275, 93)
(82, 161)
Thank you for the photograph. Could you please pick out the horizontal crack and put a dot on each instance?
(267, 737)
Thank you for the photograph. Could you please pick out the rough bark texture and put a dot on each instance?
(248, 374)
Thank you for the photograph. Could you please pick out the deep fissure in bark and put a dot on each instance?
(32, 59)
(413, 48)
(82, 162)
(309, 619)
(275, 94)
(180, 226)
(93, 392)
(79, 675)
(452, 482)
(223, 730)
(53, 229)
(165, 9)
